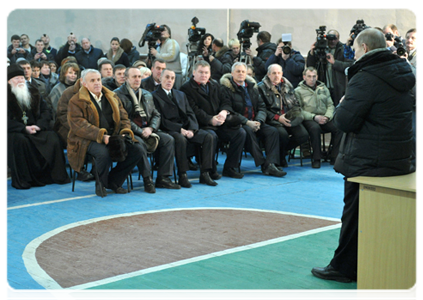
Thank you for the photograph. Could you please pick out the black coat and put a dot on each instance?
(148, 84)
(204, 105)
(89, 60)
(152, 114)
(237, 95)
(376, 117)
(259, 62)
(174, 117)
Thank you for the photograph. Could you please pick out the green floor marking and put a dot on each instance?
(285, 265)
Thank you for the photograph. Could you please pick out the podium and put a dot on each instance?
(386, 232)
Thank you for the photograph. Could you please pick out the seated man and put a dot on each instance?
(152, 82)
(35, 155)
(211, 107)
(250, 110)
(317, 108)
(179, 121)
(118, 78)
(145, 122)
(94, 115)
(278, 95)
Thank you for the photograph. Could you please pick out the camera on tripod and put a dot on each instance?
(195, 33)
(321, 46)
(151, 34)
(356, 29)
(397, 43)
(246, 31)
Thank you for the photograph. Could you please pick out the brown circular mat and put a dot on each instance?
(127, 244)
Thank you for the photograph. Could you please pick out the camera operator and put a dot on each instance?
(169, 51)
(335, 66)
(264, 51)
(215, 58)
(291, 61)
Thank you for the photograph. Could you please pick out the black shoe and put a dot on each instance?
(149, 185)
(85, 176)
(230, 172)
(316, 164)
(166, 183)
(215, 176)
(100, 190)
(120, 190)
(205, 178)
(192, 166)
(272, 171)
(329, 273)
(183, 181)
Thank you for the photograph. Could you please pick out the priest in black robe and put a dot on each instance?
(35, 156)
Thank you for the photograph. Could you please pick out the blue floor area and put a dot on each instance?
(33, 212)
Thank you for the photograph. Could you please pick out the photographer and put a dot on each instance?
(334, 66)
(15, 50)
(169, 51)
(264, 51)
(291, 61)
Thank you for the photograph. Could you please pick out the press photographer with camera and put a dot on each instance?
(169, 51)
(15, 50)
(264, 51)
(332, 64)
(291, 61)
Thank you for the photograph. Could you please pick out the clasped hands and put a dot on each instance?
(32, 129)
(219, 119)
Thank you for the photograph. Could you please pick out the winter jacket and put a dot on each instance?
(237, 95)
(264, 51)
(376, 117)
(84, 122)
(314, 102)
(89, 60)
(275, 100)
(152, 115)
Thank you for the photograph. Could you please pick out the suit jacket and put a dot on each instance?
(175, 117)
(148, 84)
(204, 105)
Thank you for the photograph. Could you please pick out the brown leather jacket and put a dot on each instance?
(84, 122)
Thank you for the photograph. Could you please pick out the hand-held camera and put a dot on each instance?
(286, 40)
(397, 43)
(246, 31)
(151, 34)
(195, 33)
(356, 29)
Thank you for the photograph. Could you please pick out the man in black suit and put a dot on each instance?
(212, 107)
(179, 121)
(152, 82)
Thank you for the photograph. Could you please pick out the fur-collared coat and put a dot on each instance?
(237, 95)
(84, 122)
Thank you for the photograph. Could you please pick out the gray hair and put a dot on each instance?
(269, 68)
(87, 71)
(238, 63)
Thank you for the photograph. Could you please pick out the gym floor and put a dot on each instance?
(259, 233)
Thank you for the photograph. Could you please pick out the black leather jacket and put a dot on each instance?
(153, 115)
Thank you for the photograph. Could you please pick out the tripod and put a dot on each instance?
(192, 59)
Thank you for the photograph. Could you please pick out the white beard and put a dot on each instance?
(22, 94)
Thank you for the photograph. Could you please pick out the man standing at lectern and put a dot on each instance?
(375, 116)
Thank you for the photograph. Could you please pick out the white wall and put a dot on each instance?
(102, 24)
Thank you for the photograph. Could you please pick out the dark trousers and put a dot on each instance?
(236, 137)
(165, 155)
(269, 137)
(114, 178)
(201, 139)
(345, 257)
(315, 130)
(291, 137)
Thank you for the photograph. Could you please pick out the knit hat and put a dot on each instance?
(13, 71)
